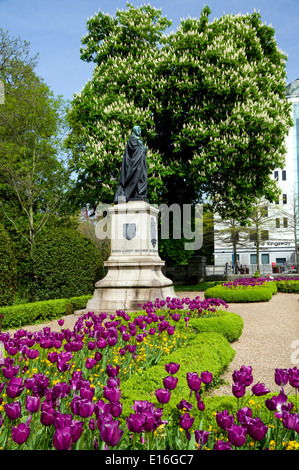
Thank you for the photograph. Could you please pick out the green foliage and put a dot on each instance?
(229, 324)
(18, 316)
(8, 269)
(248, 294)
(66, 264)
(291, 286)
(211, 121)
(205, 351)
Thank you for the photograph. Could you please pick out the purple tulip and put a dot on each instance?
(243, 376)
(32, 353)
(237, 435)
(194, 381)
(135, 422)
(186, 421)
(257, 429)
(163, 395)
(112, 394)
(85, 408)
(224, 419)
(62, 439)
(259, 389)
(60, 322)
(13, 410)
(32, 404)
(172, 368)
(201, 437)
(222, 445)
(281, 377)
(170, 382)
(184, 405)
(111, 371)
(290, 420)
(244, 416)
(10, 372)
(76, 430)
(15, 387)
(110, 432)
(47, 415)
(294, 377)
(90, 362)
(206, 377)
(20, 433)
(238, 390)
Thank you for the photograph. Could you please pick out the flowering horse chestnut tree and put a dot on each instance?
(209, 98)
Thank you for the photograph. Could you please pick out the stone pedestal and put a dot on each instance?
(134, 273)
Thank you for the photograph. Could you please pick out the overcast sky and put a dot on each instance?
(55, 28)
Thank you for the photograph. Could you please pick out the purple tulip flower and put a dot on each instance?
(184, 405)
(20, 433)
(206, 377)
(62, 439)
(224, 419)
(201, 437)
(281, 377)
(222, 445)
(163, 395)
(237, 435)
(260, 389)
(194, 381)
(238, 390)
(32, 404)
(243, 376)
(186, 421)
(170, 382)
(110, 432)
(13, 410)
(15, 387)
(257, 429)
(172, 368)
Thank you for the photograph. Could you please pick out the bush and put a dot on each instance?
(205, 351)
(66, 264)
(17, 316)
(8, 269)
(291, 287)
(229, 324)
(249, 294)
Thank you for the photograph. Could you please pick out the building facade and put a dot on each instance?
(269, 245)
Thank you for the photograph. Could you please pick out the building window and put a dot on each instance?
(285, 222)
(264, 211)
(264, 235)
(277, 223)
(284, 199)
(276, 175)
(253, 259)
(252, 235)
(265, 258)
(283, 175)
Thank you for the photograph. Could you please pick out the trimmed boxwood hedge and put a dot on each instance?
(290, 287)
(229, 324)
(205, 352)
(18, 316)
(249, 294)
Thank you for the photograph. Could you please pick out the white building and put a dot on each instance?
(278, 223)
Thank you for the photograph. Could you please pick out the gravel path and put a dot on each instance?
(270, 337)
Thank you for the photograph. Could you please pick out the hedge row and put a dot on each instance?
(290, 287)
(250, 294)
(18, 316)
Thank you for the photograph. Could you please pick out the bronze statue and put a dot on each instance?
(133, 175)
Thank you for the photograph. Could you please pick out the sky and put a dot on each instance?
(54, 30)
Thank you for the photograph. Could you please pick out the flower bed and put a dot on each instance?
(244, 290)
(73, 389)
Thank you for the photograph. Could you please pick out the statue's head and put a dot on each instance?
(137, 130)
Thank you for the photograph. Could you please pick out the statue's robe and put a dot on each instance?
(133, 175)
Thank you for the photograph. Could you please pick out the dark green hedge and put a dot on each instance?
(29, 314)
(252, 294)
(8, 269)
(205, 352)
(66, 264)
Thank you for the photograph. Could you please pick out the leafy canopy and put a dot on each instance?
(210, 100)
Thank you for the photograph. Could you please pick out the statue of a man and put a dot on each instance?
(133, 175)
